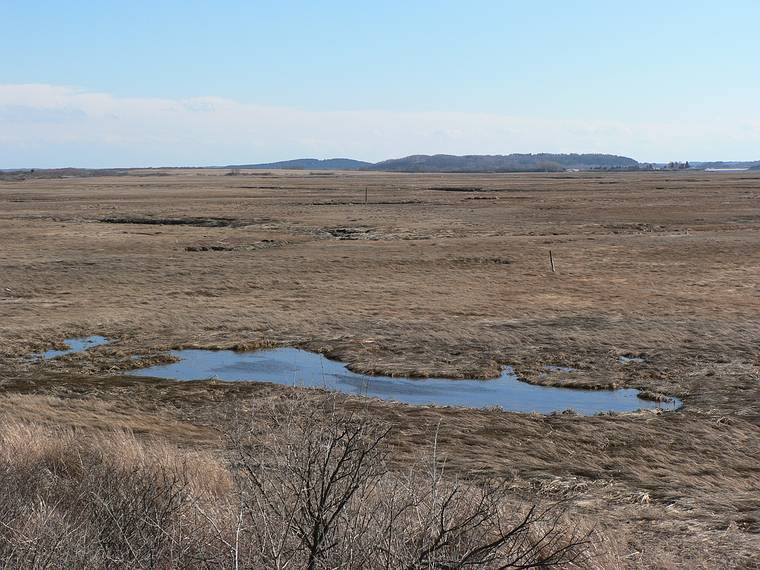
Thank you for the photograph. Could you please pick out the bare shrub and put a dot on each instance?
(306, 483)
(317, 492)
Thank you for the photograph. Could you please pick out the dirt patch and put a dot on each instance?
(481, 260)
(189, 221)
(456, 188)
(348, 233)
(263, 244)
(362, 203)
(262, 187)
(639, 228)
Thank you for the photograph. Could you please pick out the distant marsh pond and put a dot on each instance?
(296, 367)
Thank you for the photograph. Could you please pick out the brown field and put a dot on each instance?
(441, 274)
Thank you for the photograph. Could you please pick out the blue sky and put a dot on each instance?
(151, 83)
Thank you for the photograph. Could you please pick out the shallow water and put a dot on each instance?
(75, 345)
(295, 367)
(627, 359)
(555, 368)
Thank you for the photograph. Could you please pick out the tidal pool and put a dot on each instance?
(295, 367)
(75, 345)
(555, 368)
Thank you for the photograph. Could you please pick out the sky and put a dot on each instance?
(170, 83)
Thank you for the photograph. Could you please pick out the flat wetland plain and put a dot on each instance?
(437, 275)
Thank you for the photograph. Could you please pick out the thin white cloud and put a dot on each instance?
(51, 125)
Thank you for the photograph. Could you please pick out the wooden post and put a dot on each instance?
(551, 260)
(366, 192)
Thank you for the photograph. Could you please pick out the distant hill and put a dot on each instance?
(309, 164)
(503, 163)
(753, 165)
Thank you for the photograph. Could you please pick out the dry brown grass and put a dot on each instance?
(311, 490)
(423, 281)
(74, 500)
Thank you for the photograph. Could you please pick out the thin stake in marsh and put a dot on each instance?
(551, 261)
